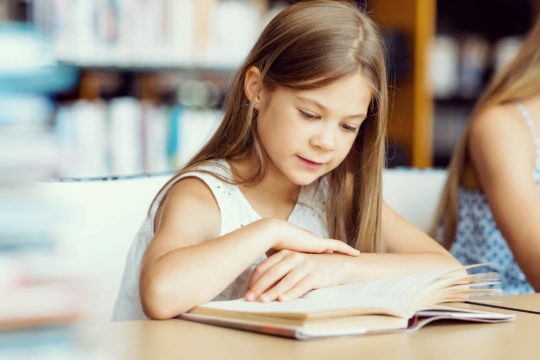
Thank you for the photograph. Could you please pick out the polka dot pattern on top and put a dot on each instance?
(479, 240)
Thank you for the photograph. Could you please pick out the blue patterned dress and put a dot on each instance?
(479, 240)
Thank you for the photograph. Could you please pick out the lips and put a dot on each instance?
(309, 163)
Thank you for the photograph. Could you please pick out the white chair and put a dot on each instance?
(100, 219)
(414, 193)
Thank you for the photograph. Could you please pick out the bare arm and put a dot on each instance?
(503, 155)
(408, 250)
(187, 264)
(288, 275)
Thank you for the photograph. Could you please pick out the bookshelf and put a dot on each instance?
(411, 111)
(97, 39)
(169, 70)
(425, 125)
(161, 63)
(158, 82)
(474, 38)
(41, 301)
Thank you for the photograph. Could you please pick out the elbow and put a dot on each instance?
(454, 262)
(534, 280)
(158, 301)
(529, 266)
(446, 260)
(155, 311)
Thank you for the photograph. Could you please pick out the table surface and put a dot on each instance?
(519, 339)
(527, 303)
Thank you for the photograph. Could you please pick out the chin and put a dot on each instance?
(304, 180)
(301, 177)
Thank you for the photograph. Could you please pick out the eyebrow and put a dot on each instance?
(324, 108)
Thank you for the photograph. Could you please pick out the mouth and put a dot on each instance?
(309, 163)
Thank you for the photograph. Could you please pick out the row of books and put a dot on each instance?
(450, 121)
(145, 33)
(127, 136)
(41, 302)
(461, 66)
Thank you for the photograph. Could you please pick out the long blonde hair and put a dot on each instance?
(309, 45)
(518, 80)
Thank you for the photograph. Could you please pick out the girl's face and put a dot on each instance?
(308, 133)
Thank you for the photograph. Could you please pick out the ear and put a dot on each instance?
(252, 86)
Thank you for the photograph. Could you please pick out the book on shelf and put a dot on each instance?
(404, 303)
(175, 33)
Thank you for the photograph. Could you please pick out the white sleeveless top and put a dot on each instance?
(309, 213)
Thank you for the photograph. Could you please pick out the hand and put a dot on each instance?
(291, 237)
(287, 275)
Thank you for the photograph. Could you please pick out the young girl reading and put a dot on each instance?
(490, 207)
(297, 160)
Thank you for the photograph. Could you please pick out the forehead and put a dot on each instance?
(352, 93)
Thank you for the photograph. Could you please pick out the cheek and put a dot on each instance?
(277, 129)
(346, 145)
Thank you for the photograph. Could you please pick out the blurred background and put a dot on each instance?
(119, 88)
(130, 87)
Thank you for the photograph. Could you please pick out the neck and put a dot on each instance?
(272, 183)
(273, 196)
(276, 188)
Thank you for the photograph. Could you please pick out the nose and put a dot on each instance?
(324, 139)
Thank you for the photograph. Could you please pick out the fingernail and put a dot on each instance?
(283, 298)
(265, 298)
(250, 296)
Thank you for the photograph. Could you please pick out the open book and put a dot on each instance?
(393, 304)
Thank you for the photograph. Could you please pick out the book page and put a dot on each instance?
(393, 296)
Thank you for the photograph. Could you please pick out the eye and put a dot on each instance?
(348, 127)
(308, 116)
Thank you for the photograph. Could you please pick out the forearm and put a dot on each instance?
(183, 278)
(521, 230)
(522, 234)
(369, 266)
(530, 268)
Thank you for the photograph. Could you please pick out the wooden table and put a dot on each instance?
(179, 339)
(525, 303)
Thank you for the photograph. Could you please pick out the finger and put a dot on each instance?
(300, 289)
(271, 252)
(265, 265)
(271, 276)
(287, 283)
(340, 246)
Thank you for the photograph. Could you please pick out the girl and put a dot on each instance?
(490, 207)
(297, 159)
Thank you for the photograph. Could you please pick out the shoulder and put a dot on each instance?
(192, 194)
(190, 187)
(499, 136)
(187, 215)
(501, 122)
(501, 145)
(188, 198)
